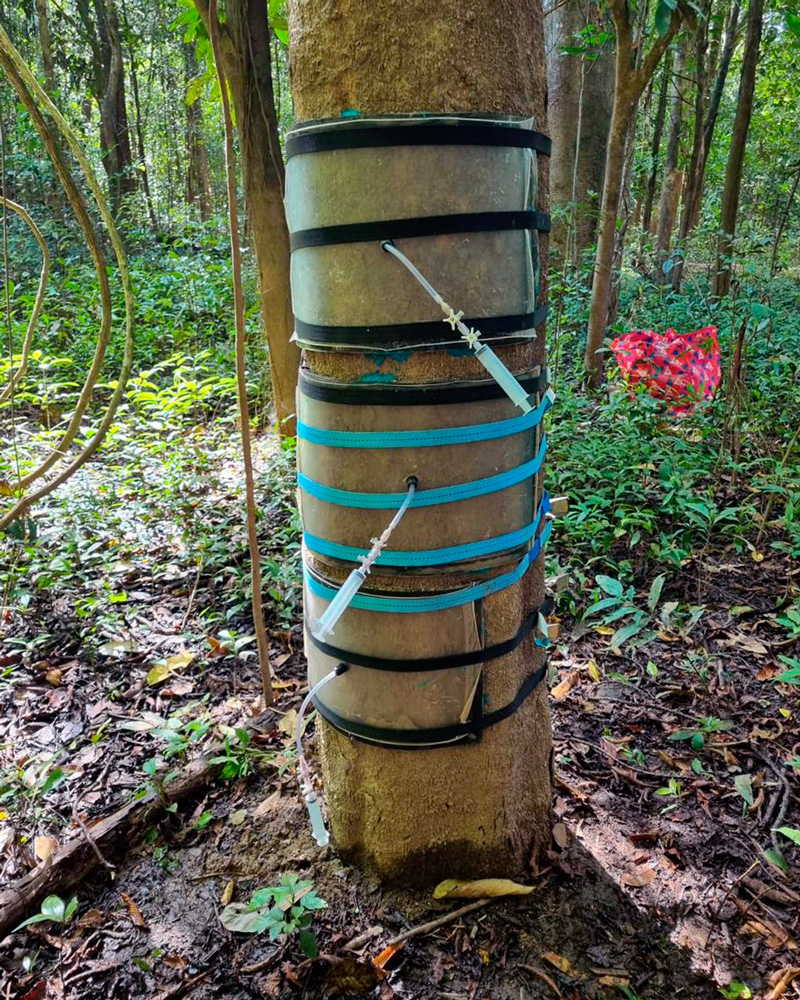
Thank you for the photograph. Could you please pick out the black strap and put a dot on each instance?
(437, 662)
(420, 738)
(413, 333)
(425, 225)
(434, 133)
(397, 394)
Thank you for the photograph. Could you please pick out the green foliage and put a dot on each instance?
(284, 910)
(53, 910)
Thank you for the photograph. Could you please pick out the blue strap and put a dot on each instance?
(425, 438)
(427, 557)
(425, 498)
(440, 602)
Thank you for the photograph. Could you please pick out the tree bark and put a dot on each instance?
(672, 177)
(580, 96)
(43, 20)
(484, 808)
(733, 174)
(782, 225)
(245, 44)
(629, 84)
(655, 145)
(198, 178)
(107, 84)
(728, 49)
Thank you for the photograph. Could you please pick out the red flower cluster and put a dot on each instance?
(682, 368)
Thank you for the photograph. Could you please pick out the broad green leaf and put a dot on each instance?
(743, 783)
(663, 18)
(626, 632)
(793, 23)
(54, 908)
(790, 833)
(655, 591)
(308, 944)
(609, 585)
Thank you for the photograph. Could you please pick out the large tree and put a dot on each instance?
(245, 43)
(580, 85)
(471, 809)
(634, 69)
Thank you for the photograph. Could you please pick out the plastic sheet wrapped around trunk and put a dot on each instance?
(398, 700)
(483, 518)
(349, 295)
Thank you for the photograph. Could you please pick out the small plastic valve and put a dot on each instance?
(318, 828)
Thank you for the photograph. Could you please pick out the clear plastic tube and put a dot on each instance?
(487, 357)
(348, 590)
(318, 828)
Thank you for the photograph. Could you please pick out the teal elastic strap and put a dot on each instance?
(413, 605)
(428, 557)
(425, 498)
(425, 438)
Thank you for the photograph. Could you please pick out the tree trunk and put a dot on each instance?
(690, 188)
(671, 183)
(198, 178)
(148, 197)
(728, 49)
(733, 174)
(580, 96)
(655, 146)
(782, 225)
(475, 809)
(633, 71)
(246, 49)
(42, 17)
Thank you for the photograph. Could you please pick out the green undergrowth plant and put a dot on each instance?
(283, 911)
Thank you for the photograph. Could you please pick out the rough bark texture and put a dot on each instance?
(198, 176)
(43, 21)
(733, 174)
(479, 809)
(580, 97)
(107, 84)
(673, 177)
(246, 49)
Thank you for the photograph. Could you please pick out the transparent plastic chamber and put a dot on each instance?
(348, 288)
(356, 285)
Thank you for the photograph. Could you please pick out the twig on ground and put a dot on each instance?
(541, 974)
(361, 939)
(89, 838)
(433, 925)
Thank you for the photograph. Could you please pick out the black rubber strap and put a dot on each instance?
(457, 133)
(425, 225)
(415, 333)
(437, 662)
(420, 738)
(406, 395)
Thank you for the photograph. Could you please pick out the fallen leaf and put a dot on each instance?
(560, 835)
(269, 803)
(748, 642)
(767, 672)
(53, 677)
(774, 935)
(452, 888)
(227, 894)
(44, 848)
(642, 876)
(238, 817)
(782, 981)
(92, 918)
(351, 976)
(621, 982)
(562, 964)
(563, 688)
(37, 992)
(162, 670)
(380, 960)
(137, 919)
(288, 723)
(118, 646)
(594, 670)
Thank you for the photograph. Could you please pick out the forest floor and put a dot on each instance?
(665, 878)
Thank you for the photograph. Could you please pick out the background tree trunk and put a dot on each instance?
(580, 96)
(246, 49)
(733, 175)
(477, 809)
(655, 146)
(198, 177)
(671, 183)
(43, 20)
